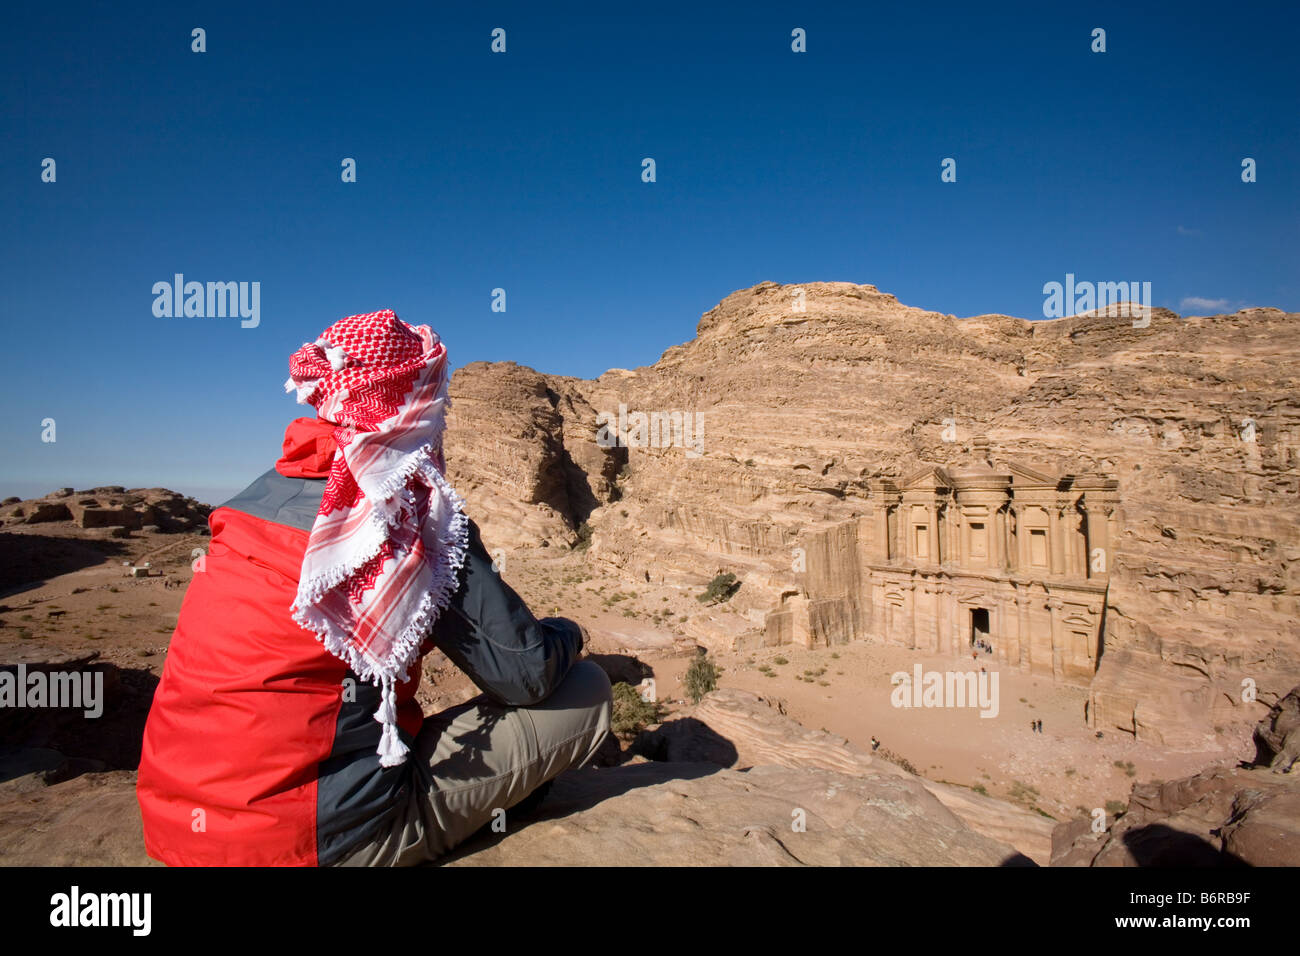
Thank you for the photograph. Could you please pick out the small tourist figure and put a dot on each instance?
(875, 744)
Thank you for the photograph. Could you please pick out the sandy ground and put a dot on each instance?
(84, 602)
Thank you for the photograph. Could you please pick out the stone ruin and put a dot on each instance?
(952, 560)
(110, 507)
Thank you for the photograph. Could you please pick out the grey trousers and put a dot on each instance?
(474, 761)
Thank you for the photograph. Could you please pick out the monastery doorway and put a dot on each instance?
(979, 626)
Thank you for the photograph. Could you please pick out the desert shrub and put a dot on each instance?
(631, 714)
(720, 589)
(898, 761)
(584, 537)
(1022, 791)
(779, 660)
(1115, 808)
(701, 677)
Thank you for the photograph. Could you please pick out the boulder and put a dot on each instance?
(1277, 736)
(1223, 816)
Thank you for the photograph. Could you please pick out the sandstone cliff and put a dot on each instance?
(797, 411)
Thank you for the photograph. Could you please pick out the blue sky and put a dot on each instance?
(523, 171)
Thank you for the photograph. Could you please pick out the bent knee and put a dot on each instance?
(591, 685)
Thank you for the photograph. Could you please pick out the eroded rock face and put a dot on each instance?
(797, 412)
(521, 448)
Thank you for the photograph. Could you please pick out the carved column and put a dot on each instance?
(935, 636)
(1112, 534)
(903, 529)
(1056, 536)
(896, 549)
(1054, 607)
(958, 637)
(1067, 545)
(911, 598)
(933, 530)
(954, 535)
(944, 513)
(1079, 519)
(1022, 605)
(1096, 537)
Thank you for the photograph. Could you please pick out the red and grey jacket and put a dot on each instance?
(260, 745)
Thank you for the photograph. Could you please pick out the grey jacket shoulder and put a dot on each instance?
(288, 501)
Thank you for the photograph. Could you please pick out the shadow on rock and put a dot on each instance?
(110, 741)
(622, 668)
(1160, 845)
(580, 790)
(29, 560)
(685, 740)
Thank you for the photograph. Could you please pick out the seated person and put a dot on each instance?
(285, 730)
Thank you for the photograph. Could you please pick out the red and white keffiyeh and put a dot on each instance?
(390, 537)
